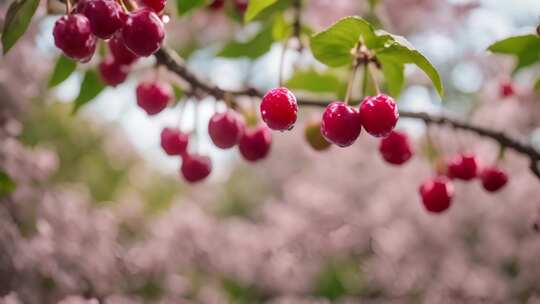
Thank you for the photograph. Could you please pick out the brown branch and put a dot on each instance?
(175, 64)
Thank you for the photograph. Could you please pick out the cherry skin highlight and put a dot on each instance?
(143, 32)
(153, 97)
(341, 124)
(195, 167)
(111, 72)
(437, 194)
(72, 34)
(379, 115)
(396, 148)
(106, 17)
(279, 109)
(226, 129)
(493, 178)
(314, 137)
(120, 52)
(463, 166)
(255, 143)
(174, 141)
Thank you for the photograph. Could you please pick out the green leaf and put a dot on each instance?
(255, 7)
(281, 30)
(183, 7)
(178, 92)
(525, 48)
(333, 46)
(91, 86)
(394, 76)
(7, 185)
(16, 22)
(317, 82)
(63, 68)
(253, 48)
(537, 84)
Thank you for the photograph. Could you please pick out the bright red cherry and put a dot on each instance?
(111, 72)
(506, 89)
(314, 137)
(493, 178)
(72, 34)
(463, 166)
(396, 148)
(173, 141)
(156, 5)
(225, 129)
(379, 114)
(437, 194)
(143, 32)
(195, 167)
(105, 16)
(241, 5)
(341, 124)
(120, 52)
(216, 5)
(255, 143)
(153, 97)
(279, 108)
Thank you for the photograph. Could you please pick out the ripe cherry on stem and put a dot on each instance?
(279, 108)
(153, 97)
(396, 148)
(195, 167)
(437, 194)
(341, 124)
(143, 32)
(493, 178)
(174, 141)
(120, 52)
(111, 72)
(379, 115)
(463, 166)
(255, 143)
(226, 129)
(105, 16)
(73, 35)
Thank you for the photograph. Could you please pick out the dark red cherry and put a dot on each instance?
(120, 52)
(241, 5)
(437, 194)
(341, 124)
(396, 148)
(314, 137)
(111, 72)
(105, 16)
(506, 89)
(153, 97)
(195, 167)
(279, 108)
(225, 129)
(143, 32)
(216, 5)
(379, 115)
(173, 141)
(463, 166)
(255, 143)
(493, 178)
(72, 34)
(156, 5)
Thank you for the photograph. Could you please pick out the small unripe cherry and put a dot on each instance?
(143, 32)
(463, 166)
(225, 129)
(506, 89)
(279, 109)
(174, 141)
(72, 34)
(195, 167)
(379, 115)
(493, 178)
(341, 124)
(255, 143)
(153, 97)
(314, 137)
(105, 16)
(437, 194)
(396, 148)
(111, 72)
(156, 5)
(120, 52)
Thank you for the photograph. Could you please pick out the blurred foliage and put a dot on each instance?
(7, 185)
(239, 293)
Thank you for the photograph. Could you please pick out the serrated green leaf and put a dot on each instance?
(16, 23)
(91, 86)
(254, 48)
(525, 48)
(184, 7)
(7, 185)
(333, 45)
(281, 30)
(63, 68)
(394, 76)
(317, 82)
(255, 7)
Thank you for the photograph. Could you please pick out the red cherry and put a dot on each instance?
(463, 166)
(379, 114)
(506, 89)
(341, 124)
(241, 5)
(493, 178)
(195, 167)
(156, 5)
(72, 34)
(225, 129)
(120, 52)
(153, 97)
(279, 108)
(255, 143)
(143, 32)
(216, 5)
(437, 194)
(105, 16)
(314, 137)
(111, 72)
(396, 148)
(174, 142)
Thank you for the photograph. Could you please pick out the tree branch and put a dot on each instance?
(175, 64)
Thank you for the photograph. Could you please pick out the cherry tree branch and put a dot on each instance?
(175, 64)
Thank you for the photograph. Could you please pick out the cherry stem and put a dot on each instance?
(68, 7)
(370, 74)
(365, 80)
(501, 154)
(282, 62)
(351, 81)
